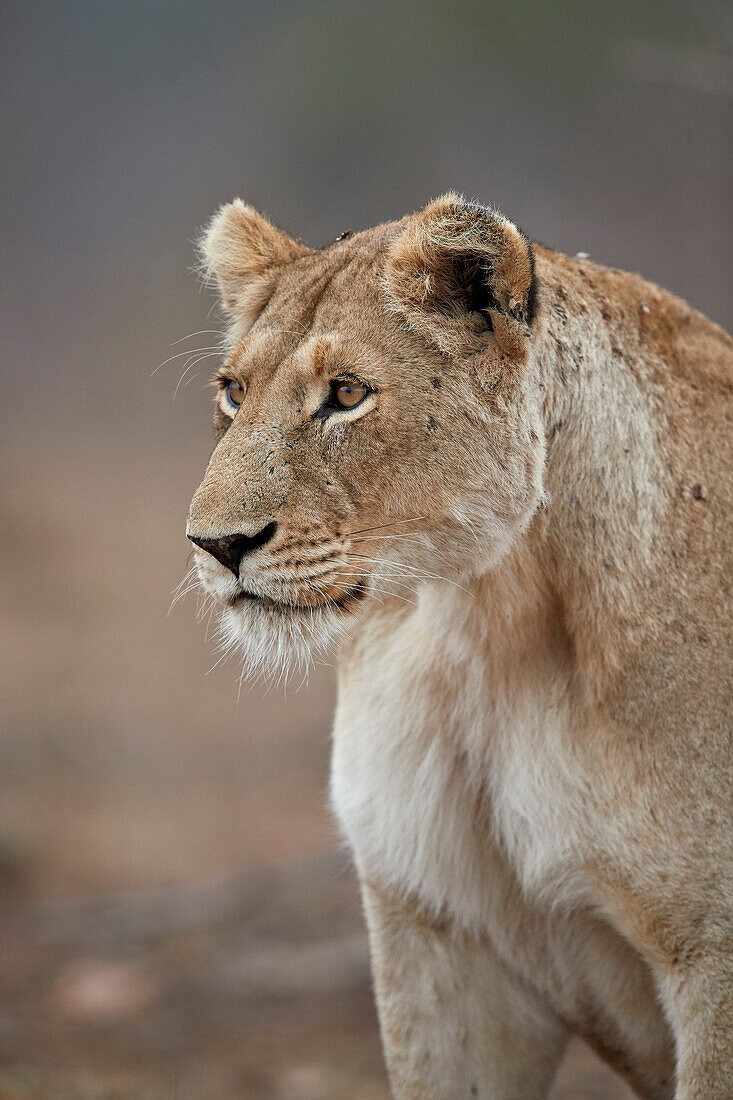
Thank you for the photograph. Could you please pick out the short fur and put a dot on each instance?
(522, 537)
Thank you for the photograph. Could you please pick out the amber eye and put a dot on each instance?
(234, 394)
(348, 394)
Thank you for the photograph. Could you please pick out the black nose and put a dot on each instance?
(231, 549)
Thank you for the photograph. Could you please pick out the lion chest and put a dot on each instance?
(440, 763)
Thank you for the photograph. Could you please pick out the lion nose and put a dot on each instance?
(230, 549)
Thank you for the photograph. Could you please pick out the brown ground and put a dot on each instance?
(256, 986)
(177, 919)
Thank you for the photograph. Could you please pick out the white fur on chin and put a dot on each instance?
(274, 642)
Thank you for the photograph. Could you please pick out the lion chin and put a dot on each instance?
(276, 641)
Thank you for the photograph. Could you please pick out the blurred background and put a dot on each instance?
(177, 918)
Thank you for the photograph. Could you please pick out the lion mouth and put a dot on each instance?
(286, 607)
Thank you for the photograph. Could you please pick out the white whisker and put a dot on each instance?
(382, 526)
(410, 570)
(188, 367)
(369, 538)
(190, 352)
(371, 589)
(200, 332)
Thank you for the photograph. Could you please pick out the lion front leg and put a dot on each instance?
(699, 1003)
(455, 1022)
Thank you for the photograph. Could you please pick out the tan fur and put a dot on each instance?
(243, 251)
(521, 541)
(419, 282)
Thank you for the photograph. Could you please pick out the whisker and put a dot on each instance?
(190, 366)
(200, 332)
(240, 682)
(217, 663)
(190, 573)
(375, 592)
(418, 574)
(315, 587)
(382, 526)
(383, 576)
(176, 599)
(404, 535)
(409, 569)
(206, 608)
(399, 596)
(188, 351)
(178, 591)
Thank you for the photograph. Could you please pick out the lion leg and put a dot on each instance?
(700, 1006)
(455, 1022)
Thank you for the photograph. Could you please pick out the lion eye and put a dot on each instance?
(348, 394)
(234, 394)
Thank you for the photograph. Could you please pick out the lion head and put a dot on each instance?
(377, 419)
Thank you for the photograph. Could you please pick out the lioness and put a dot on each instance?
(501, 478)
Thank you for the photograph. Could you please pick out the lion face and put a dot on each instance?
(376, 426)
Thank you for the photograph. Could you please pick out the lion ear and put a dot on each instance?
(242, 251)
(458, 272)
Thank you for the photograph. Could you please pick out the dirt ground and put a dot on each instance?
(253, 987)
(177, 917)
